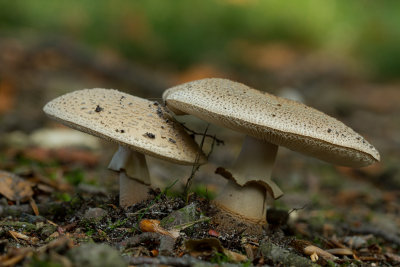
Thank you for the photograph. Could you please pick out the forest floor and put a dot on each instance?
(59, 206)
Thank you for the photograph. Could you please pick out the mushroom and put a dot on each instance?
(267, 121)
(138, 125)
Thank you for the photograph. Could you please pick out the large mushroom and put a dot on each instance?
(138, 125)
(267, 121)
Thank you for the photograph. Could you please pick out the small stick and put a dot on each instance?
(219, 141)
(195, 167)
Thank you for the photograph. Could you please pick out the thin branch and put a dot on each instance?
(301, 208)
(215, 139)
(196, 165)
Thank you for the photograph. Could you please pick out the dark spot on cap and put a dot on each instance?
(98, 109)
(172, 140)
(159, 112)
(150, 135)
(155, 103)
(329, 130)
(122, 131)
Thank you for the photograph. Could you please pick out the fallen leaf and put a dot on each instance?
(14, 188)
(149, 225)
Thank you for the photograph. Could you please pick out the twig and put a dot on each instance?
(215, 139)
(212, 146)
(296, 209)
(196, 166)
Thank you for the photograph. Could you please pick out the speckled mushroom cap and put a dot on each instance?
(130, 121)
(274, 119)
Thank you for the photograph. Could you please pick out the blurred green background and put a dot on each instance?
(178, 34)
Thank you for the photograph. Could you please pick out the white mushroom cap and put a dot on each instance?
(274, 119)
(130, 121)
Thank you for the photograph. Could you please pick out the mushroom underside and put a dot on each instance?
(134, 178)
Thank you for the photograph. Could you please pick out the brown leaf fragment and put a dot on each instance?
(17, 236)
(34, 206)
(52, 223)
(314, 252)
(340, 251)
(14, 188)
(149, 225)
(234, 256)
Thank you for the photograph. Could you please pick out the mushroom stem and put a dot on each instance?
(247, 202)
(134, 178)
(248, 181)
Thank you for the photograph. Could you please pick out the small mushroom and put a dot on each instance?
(119, 117)
(267, 121)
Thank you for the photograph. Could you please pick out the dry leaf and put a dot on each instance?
(14, 188)
(17, 236)
(34, 206)
(148, 225)
(314, 252)
(340, 251)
